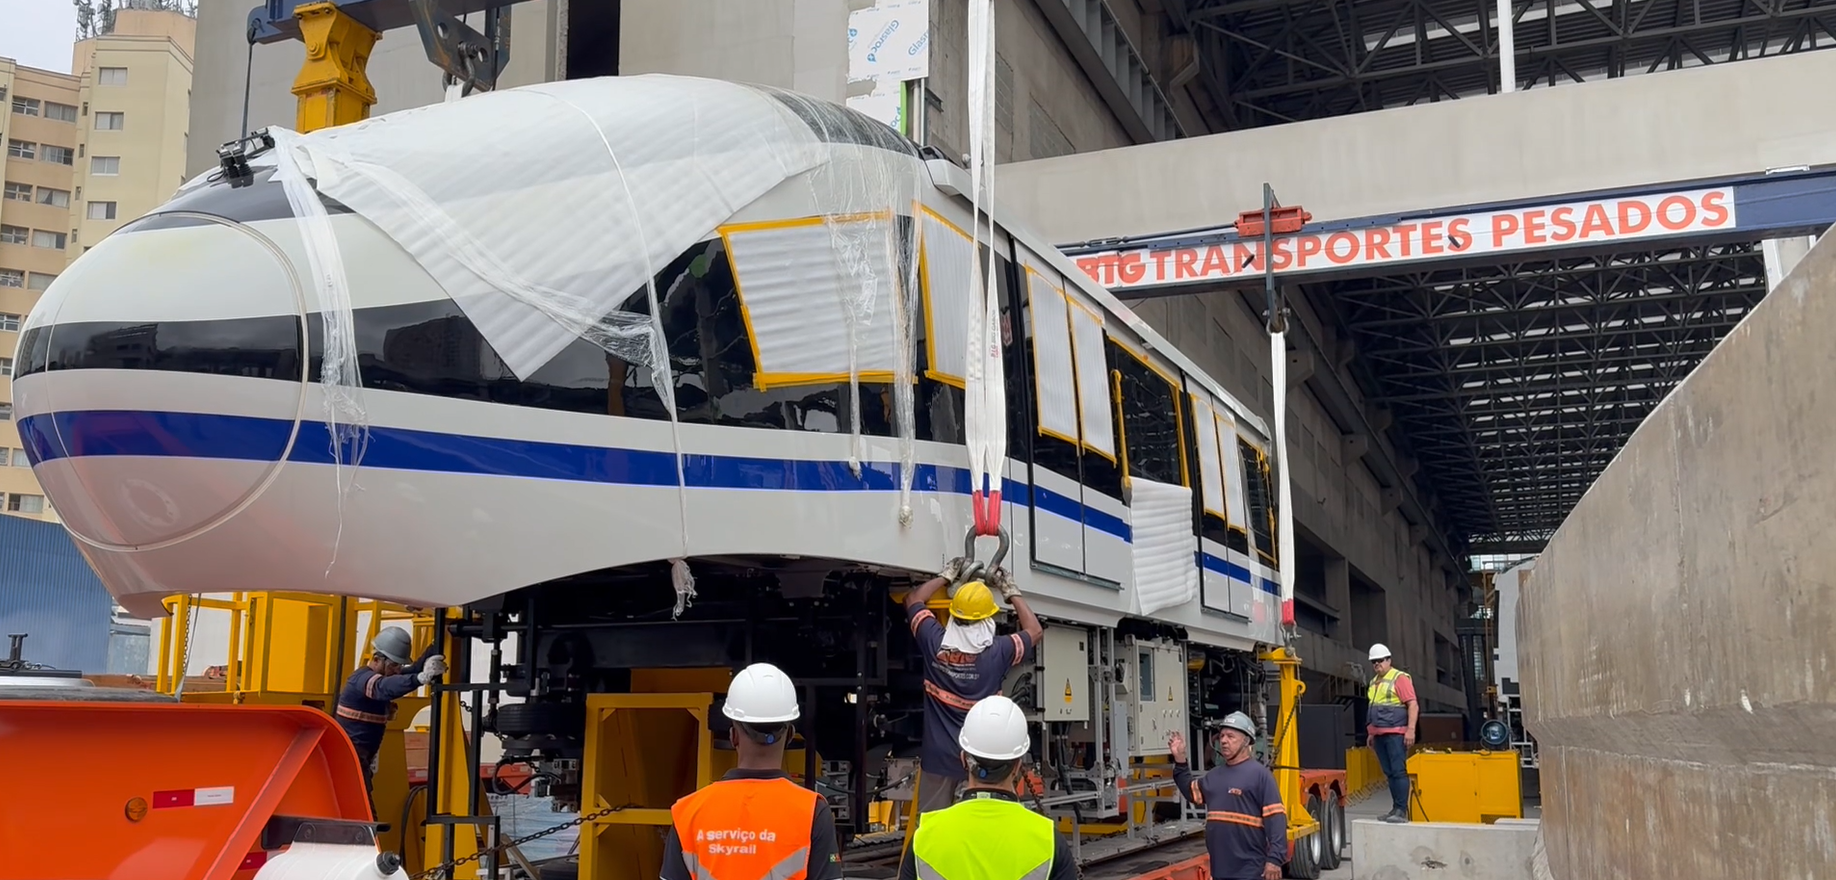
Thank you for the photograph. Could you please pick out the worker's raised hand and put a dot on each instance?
(436, 667)
(1003, 583)
(1177, 742)
(954, 568)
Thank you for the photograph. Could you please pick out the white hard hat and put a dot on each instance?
(1240, 723)
(1379, 651)
(393, 643)
(995, 730)
(761, 694)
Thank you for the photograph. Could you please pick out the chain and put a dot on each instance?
(445, 870)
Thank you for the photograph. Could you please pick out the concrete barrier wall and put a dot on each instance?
(1677, 639)
(1434, 850)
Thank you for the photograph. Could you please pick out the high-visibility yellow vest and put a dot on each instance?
(1386, 709)
(984, 838)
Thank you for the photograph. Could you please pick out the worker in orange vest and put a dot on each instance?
(755, 823)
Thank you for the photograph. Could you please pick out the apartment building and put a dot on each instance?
(86, 152)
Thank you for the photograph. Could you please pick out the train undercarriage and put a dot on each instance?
(618, 681)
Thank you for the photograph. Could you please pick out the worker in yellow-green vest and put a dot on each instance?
(989, 834)
(1390, 724)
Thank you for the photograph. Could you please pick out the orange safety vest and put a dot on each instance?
(746, 829)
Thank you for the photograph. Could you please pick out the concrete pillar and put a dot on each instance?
(1782, 255)
(1338, 595)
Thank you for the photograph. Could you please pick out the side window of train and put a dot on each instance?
(1261, 500)
(714, 361)
(1151, 423)
(1016, 361)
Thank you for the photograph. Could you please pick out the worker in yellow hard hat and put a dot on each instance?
(964, 661)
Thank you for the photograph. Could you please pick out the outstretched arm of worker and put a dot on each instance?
(915, 599)
(1183, 778)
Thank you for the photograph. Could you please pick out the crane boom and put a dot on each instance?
(333, 86)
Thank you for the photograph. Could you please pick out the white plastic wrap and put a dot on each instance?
(1052, 358)
(1211, 473)
(1095, 400)
(541, 210)
(1160, 515)
(1231, 456)
(950, 274)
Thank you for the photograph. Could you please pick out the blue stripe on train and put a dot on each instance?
(247, 438)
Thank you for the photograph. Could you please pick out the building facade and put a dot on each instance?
(86, 152)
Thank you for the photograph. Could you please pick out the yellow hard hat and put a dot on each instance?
(972, 602)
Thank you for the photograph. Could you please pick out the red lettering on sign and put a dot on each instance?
(1431, 237)
(1185, 264)
(1214, 262)
(1676, 213)
(1626, 225)
(1714, 212)
(1342, 248)
(1458, 238)
(1596, 222)
(1377, 243)
(1562, 219)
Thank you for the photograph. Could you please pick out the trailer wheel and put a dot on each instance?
(1341, 835)
(1305, 864)
(1329, 831)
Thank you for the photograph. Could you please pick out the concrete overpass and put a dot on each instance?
(1717, 121)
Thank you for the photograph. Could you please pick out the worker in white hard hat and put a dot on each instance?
(755, 823)
(1390, 724)
(1246, 826)
(990, 834)
(368, 700)
(964, 661)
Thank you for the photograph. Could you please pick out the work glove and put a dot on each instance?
(954, 568)
(1003, 583)
(436, 667)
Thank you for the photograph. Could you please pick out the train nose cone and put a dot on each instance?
(160, 381)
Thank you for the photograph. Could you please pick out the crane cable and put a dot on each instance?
(984, 375)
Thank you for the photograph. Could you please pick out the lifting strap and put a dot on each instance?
(984, 377)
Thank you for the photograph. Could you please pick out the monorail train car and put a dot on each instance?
(171, 395)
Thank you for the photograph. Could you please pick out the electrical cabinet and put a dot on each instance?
(1064, 674)
(1056, 685)
(1156, 695)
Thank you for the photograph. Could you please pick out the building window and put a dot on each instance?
(6, 412)
(105, 166)
(45, 238)
(9, 322)
(113, 120)
(41, 280)
(111, 76)
(56, 198)
(101, 210)
(14, 234)
(12, 278)
(19, 192)
(20, 460)
(22, 149)
(6, 369)
(21, 503)
(25, 106)
(58, 155)
(60, 112)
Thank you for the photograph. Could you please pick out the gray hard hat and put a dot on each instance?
(393, 643)
(1240, 723)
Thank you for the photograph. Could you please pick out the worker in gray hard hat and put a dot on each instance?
(1246, 826)
(368, 700)
(1390, 726)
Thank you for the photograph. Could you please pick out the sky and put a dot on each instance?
(38, 33)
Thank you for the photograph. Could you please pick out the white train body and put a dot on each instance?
(169, 412)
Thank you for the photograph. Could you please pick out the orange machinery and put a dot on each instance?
(173, 791)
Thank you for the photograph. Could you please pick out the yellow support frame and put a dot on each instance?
(333, 86)
(1287, 744)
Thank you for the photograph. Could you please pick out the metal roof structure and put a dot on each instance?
(1515, 385)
